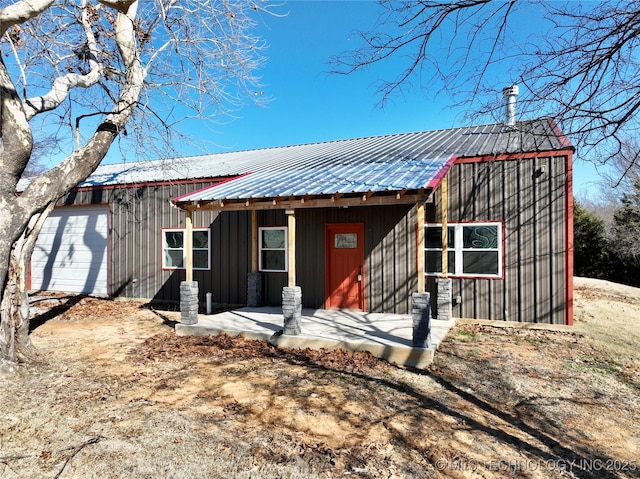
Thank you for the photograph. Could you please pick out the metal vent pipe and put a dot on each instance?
(510, 93)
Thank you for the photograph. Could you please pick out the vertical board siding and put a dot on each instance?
(231, 257)
(389, 270)
(310, 253)
(137, 217)
(528, 195)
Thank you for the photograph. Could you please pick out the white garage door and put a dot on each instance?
(71, 251)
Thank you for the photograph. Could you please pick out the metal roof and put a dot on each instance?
(406, 161)
(329, 179)
(387, 152)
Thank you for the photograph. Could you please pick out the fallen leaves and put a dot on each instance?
(225, 348)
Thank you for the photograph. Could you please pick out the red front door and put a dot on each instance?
(345, 266)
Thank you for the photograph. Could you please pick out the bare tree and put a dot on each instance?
(625, 168)
(84, 73)
(574, 61)
(619, 179)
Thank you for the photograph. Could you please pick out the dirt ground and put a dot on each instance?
(116, 394)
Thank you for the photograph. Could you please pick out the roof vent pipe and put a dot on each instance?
(510, 93)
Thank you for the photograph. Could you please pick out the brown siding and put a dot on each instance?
(231, 260)
(389, 255)
(531, 206)
(529, 196)
(138, 216)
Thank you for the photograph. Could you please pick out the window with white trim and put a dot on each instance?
(473, 249)
(174, 252)
(273, 249)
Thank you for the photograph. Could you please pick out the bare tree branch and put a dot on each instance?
(578, 63)
(76, 450)
(85, 160)
(121, 5)
(83, 72)
(413, 30)
(17, 140)
(20, 12)
(62, 85)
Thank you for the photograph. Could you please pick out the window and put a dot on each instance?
(174, 254)
(473, 249)
(273, 249)
(345, 240)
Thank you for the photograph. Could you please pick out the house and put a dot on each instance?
(354, 223)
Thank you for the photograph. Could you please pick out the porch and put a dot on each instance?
(386, 336)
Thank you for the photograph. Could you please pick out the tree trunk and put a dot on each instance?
(15, 344)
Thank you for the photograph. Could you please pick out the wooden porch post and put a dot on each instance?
(254, 277)
(254, 241)
(443, 214)
(188, 244)
(444, 284)
(291, 244)
(420, 249)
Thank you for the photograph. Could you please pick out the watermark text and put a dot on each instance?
(593, 465)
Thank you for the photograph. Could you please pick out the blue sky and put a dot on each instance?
(309, 105)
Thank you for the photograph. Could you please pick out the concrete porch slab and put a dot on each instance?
(386, 336)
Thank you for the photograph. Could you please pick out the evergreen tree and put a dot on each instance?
(590, 244)
(626, 238)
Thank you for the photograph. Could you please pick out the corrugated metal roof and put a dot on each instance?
(388, 152)
(329, 179)
(383, 163)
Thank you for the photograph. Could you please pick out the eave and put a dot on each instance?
(339, 200)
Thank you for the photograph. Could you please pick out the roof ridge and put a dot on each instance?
(311, 143)
(537, 135)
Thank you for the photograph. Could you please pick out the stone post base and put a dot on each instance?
(421, 315)
(189, 302)
(292, 310)
(254, 290)
(444, 299)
